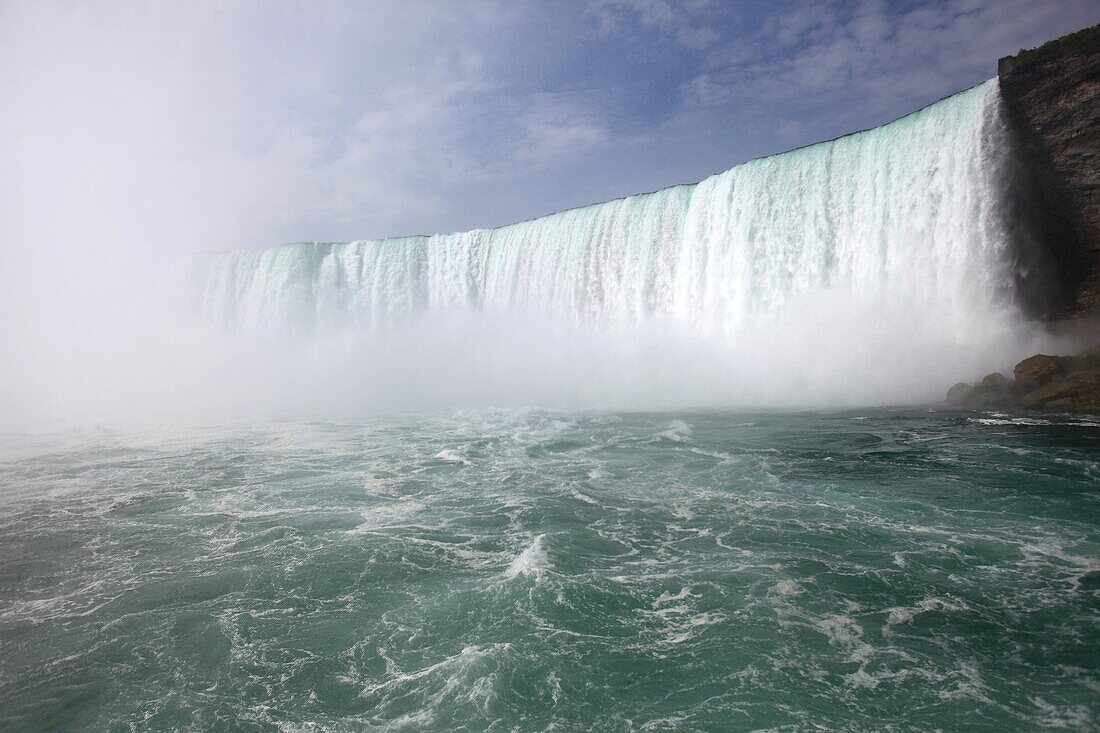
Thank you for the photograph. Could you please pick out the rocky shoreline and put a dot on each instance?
(1040, 382)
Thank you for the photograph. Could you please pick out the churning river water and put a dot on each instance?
(910, 570)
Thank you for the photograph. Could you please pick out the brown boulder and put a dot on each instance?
(1079, 391)
(958, 394)
(1054, 389)
(983, 397)
(997, 382)
(994, 391)
(1035, 371)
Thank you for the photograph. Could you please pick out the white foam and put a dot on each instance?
(786, 588)
(845, 632)
(999, 420)
(451, 457)
(581, 496)
(678, 431)
(384, 515)
(532, 561)
(664, 598)
(683, 512)
(905, 614)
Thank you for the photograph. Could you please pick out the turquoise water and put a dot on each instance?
(528, 570)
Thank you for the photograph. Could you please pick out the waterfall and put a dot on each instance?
(891, 244)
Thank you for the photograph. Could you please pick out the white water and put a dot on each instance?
(868, 269)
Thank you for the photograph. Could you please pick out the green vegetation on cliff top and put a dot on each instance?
(1061, 45)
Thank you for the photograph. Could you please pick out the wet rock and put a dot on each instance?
(983, 397)
(997, 382)
(958, 394)
(995, 390)
(1055, 389)
(1035, 371)
(1076, 392)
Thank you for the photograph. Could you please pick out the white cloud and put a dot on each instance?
(684, 23)
(559, 126)
(853, 65)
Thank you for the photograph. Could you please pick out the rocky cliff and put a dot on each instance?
(1052, 97)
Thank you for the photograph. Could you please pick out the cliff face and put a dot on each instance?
(1052, 97)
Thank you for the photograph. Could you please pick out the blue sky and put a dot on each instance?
(200, 125)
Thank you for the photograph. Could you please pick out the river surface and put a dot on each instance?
(526, 570)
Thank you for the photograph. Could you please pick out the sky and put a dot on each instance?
(177, 127)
